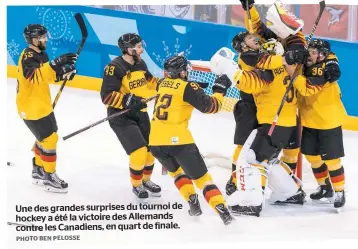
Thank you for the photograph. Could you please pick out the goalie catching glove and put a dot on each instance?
(222, 63)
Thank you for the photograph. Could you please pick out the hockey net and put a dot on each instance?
(201, 73)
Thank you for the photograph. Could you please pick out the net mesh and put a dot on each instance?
(201, 73)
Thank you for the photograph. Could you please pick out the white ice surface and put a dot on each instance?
(96, 168)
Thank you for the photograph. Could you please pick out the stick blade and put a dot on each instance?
(82, 24)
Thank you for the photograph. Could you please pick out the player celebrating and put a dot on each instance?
(171, 141)
(266, 57)
(33, 101)
(126, 83)
(322, 113)
(268, 87)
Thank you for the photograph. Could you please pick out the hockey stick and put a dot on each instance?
(102, 120)
(322, 5)
(83, 29)
(249, 17)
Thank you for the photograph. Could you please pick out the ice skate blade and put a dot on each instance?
(56, 190)
(323, 201)
(195, 214)
(339, 210)
(226, 223)
(155, 194)
(38, 182)
(142, 200)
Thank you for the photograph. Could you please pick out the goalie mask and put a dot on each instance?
(174, 67)
(281, 21)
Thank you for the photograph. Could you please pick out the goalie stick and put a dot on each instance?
(322, 5)
(84, 33)
(102, 120)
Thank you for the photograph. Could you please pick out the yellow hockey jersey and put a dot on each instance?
(268, 88)
(320, 103)
(33, 99)
(267, 83)
(121, 78)
(174, 105)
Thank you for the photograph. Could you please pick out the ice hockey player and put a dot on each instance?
(265, 56)
(322, 113)
(126, 83)
(33, 101)
(171, 141)
(268, 86)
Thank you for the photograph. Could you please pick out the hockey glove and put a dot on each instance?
(66, 71)
(130, 101)
(250, 2)
(69, 58)
(221, 84)
(332, 71)
(296, 56)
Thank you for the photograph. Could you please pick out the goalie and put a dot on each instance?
(265, 56)
(266, 78)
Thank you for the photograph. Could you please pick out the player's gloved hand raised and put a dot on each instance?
(69, 58)
(130, 101)
(221, 84)
(298, 56)
(243, 3)
(332, 71)
(66, 71)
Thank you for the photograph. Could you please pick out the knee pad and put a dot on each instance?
(315, 161)
(204, 180)
(333, 164)
(50, 142)
(178, 172)
(282, 181)
(150, 159)
(138, 158)
(290, 155)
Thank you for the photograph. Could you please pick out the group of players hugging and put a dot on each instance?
(268, 57)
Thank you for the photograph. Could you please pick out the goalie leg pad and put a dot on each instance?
(282, 181)
(250, 182)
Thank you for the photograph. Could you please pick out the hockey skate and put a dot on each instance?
(54, 184)
(224, 214)
(323, 194)
(37, 174)
(246, 210)
(194, 205)
(230, 187)
(152, 188)
(298, 198)
(339, 199)
(141, 193)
